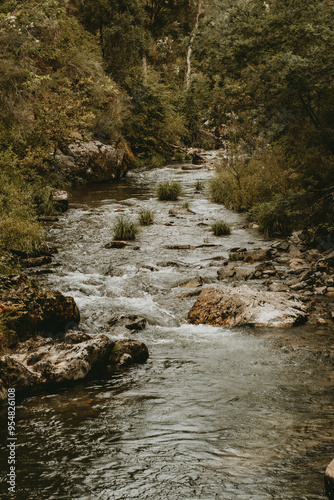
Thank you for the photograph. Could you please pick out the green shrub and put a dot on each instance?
(221, 228)
(169, 190)
(199, 186)
(185, 205)
(157, 160)
(145, 217)
(279, 216)
(124, 229)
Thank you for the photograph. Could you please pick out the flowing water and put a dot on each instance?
(215, 413)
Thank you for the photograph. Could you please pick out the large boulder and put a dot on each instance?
(244, 305)
(46, 362)
(27, 310)
(94, 161)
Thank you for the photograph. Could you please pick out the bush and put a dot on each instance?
(169, 190)
(145, 217)
(221, 228)
(199, 186)
(124, 229)
(279, 216)
(185, 205)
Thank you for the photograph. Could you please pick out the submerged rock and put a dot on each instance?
(243, 305)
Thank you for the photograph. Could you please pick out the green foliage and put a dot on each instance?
(185, 205)
(155, 121)
(221, 228)
(19, 230)
(169, 190)
(279, 216)
(199, 186)
(124, 229)
(146, 217)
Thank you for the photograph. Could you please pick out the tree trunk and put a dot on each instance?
(188, 75)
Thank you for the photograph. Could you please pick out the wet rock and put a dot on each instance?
(180, 211)
(43, 363)
(150, 268)
(136, 323)
(132, 322)
(193, 282)
(192, 167)
(127, 352)
(45, 249)
(48, 218)
(282, 246)
(329, 481)
(193, 293)
(171, 263)
(277, 286)
(27, 310)
(60, 200)
(255, 255)
(328, 260)
(298, 286)
(16, 375)
(94, 161)
(224, 306)
(263, 270)
(198, 158)
(36, 261)
(320, 290)
(57, 362)
(116, 244)
(230, 272)
(180, 247)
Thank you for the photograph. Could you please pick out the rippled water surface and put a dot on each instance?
(216, 413)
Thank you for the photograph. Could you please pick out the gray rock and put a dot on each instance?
(94, 161)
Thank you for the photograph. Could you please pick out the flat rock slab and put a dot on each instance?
(244, 305)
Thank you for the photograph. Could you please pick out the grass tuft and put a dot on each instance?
(221, 228)
(169, 190)
(145, 217)
(124, 229)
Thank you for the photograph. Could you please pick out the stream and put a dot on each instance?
(215, 413)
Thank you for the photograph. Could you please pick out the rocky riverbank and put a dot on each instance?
(38, 348)
(286, 285)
